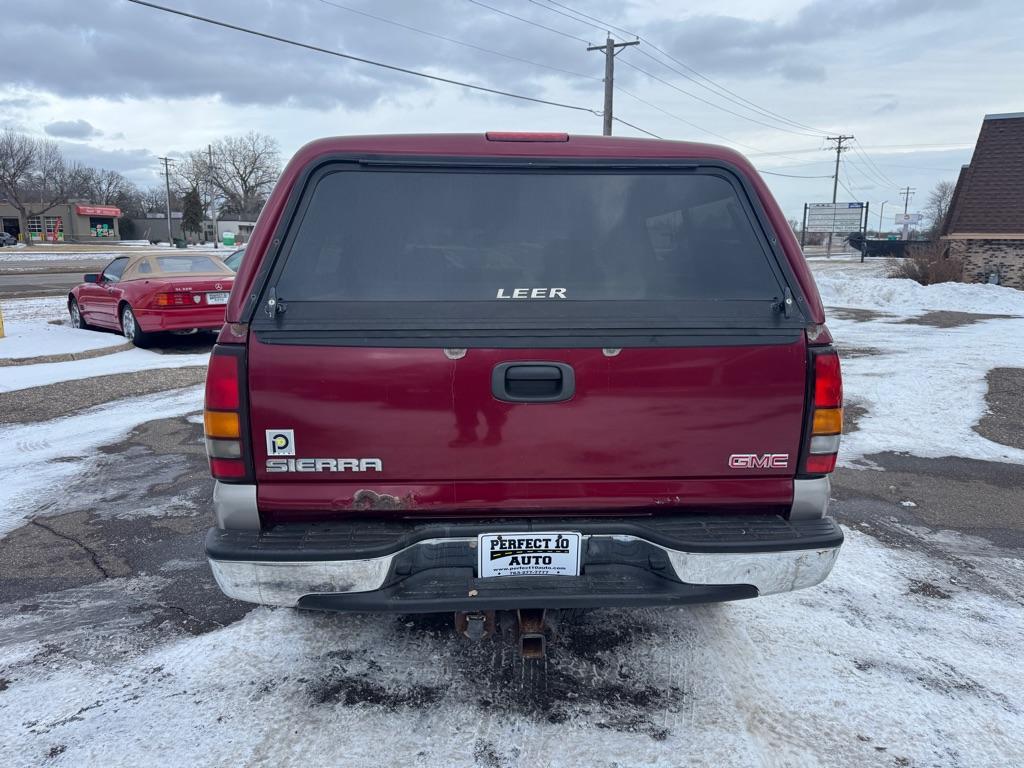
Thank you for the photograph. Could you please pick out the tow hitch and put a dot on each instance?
(529, 627)
(476, 625)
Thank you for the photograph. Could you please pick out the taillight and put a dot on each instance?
(224, 417)
(826, 417)
(179, 299)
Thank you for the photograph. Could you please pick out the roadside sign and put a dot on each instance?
(908, 218)
(834, 217)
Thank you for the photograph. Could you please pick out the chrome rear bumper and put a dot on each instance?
(286, 582)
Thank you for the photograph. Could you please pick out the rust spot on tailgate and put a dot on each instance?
(371, 500)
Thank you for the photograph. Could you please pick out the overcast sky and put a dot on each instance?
(118, 84)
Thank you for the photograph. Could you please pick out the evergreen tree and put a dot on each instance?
(192, 213)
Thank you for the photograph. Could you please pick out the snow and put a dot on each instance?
(40, 374)
(848, 673)
(49, 252)
(29, 332)
(33, 335)
(923, 387)
(857, 286)
(35, 462)
(32, 254)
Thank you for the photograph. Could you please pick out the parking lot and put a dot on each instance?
(116, 646)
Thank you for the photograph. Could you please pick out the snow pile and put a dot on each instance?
(847, 288)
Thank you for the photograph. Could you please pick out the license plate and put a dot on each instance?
(535, 553)
(217, 298)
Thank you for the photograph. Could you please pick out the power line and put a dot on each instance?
(801, 151)
(603, 30)
(627, 93)
(847, 165)
(793, 176)
(947, 169)
(708, 131)
(739, 100)
(530, 22)
(948, 145)
(719, 89)
(736, 96)
(871, 163)
(452, 40)
(711, 103)
(362, 60)
(636, 127)
(847, 190)
(604, 25)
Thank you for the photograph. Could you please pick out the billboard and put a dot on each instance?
(908, 218)
(834, 217)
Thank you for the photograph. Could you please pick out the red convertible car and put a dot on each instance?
(148, 294)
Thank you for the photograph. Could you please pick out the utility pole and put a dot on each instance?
(167, 183)
(609, 77)
(906, 193)
(835, 178)
(213, 209)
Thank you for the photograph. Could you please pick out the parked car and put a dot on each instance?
(234, 260)
(6, 238)
(519, 373)
(143, 295)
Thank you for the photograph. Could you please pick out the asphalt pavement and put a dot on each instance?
(15, 286)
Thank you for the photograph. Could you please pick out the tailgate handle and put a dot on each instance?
(533, 382)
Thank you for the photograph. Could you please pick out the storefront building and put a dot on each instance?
(72, 222)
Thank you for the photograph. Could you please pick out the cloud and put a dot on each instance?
(72, 129)
(791, 47)
(135, 52)
(139, 165)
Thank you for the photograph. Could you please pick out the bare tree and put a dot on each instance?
(103, 186)
(937, 205)
(129, 200)
(154, 199)
(244, 170)
(191, 172)
(34, 176)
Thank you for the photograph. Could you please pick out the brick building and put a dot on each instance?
(985, 222)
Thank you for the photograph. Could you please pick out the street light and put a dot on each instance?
(880, 212)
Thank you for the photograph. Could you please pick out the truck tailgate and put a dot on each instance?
(657, 415)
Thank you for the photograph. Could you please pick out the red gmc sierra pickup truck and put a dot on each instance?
(518, 372)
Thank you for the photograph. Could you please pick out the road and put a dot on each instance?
(37, 284)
